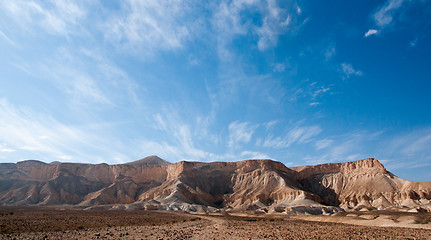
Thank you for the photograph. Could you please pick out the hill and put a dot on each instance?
(257, 185)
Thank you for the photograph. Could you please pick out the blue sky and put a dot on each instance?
(301, 82)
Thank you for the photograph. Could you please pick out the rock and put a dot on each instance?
(251, 185)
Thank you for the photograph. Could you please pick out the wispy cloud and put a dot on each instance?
(240, 132)
(324, 143)
(371, 32)
(385, 14)
(228, 21)
(8, 40)
(55, 17)
(83, 87)
(297, 135)
(279, 67)
(25, 130)
(180, 142)
(413, 145)
(148, 26)
(254, 155)
(348, 71)
(66, 72)
(275, 21)
(6, 150)
(346, 147)
(270, 124)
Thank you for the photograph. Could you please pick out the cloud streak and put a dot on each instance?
(298, 135)
(371, 32)
(348, 71)
(229, 23)
(152, 25)
(55, 17)
(385, 14)
(240, 132)
(26, 130)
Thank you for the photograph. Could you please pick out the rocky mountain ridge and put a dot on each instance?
(250, 185)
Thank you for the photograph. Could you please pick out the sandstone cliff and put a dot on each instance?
(363, 184)
(259, 185)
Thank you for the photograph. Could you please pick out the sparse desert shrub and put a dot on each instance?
(251, 219)
(423, 219)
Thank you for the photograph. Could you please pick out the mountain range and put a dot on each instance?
(251, 185)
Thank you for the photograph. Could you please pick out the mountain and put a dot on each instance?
(364, 184)
(250, 185)
(150, 161)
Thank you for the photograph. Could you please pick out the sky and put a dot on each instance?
(301, 82)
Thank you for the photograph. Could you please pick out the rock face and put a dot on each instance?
(258, 185)
(361, 185)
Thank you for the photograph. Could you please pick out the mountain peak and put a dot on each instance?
(30, 162)
(150, 161)
(367, 163)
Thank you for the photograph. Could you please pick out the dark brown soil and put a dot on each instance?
(80, 224)
(17, 220)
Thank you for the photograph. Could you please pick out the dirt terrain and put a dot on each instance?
(47, 223)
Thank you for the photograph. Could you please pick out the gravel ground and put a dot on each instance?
(174, 225)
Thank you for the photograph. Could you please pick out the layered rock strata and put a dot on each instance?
(251, 185)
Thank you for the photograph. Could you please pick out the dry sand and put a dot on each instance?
(78, 224)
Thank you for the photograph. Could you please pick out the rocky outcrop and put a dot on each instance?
(363, 184)
(258, 185)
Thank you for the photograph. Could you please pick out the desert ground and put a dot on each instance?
(46, 223)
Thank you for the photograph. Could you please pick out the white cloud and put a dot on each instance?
(109, 74)
(279, 67)
(299, 135)
(270, 124)
(371, 32)
(254, 155)
(72, 80)
(298, 10)
(5, 37)
(59, 17)
(349, 71)
(240, 133)
(180, 142)
(384, 15)
(351, 146)
(68, 70)
(275, 22)
(82, 87)
(229, 22)
(413, 145)
(319, 91)
(152, 25)
(26, 130)
(324, 143)
(8, 150)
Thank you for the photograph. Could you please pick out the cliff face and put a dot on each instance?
(263, 185)
(363, 184)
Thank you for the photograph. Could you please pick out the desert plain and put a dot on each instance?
(252, 199)
(57, 223)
